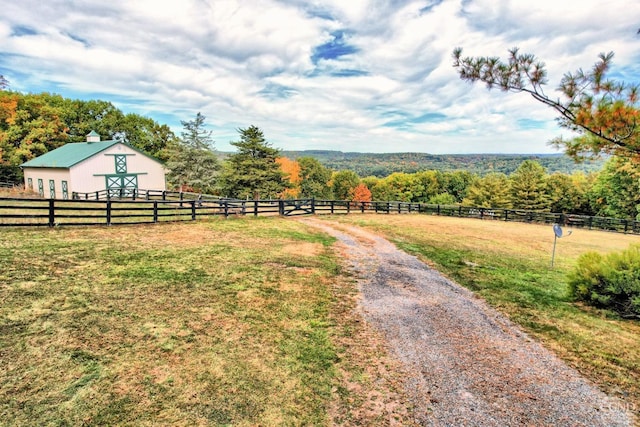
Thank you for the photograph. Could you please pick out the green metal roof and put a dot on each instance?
(69, 154)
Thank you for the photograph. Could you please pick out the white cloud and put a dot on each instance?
(252, 62)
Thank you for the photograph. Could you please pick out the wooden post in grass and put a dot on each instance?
(108, 206)
(155, 210)
(52, 213)
(193, 210)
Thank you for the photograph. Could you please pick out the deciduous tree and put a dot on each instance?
(616, 191)
(343, 183)
(314, 179)
(291, 169)
(361, 193)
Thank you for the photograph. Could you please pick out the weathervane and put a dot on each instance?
(557, 231)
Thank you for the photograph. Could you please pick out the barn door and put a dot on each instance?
(121, 185)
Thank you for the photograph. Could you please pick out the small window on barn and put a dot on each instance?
(121, 163)
(65, 190)
(30, 184)
(40, 187)
(52, 189)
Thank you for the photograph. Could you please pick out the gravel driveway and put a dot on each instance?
(468, 365)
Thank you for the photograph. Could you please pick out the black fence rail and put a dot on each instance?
(148, 206)
(9, 184)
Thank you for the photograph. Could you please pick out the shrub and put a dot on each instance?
(611, 281)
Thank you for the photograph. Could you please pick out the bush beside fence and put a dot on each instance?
(154, 207)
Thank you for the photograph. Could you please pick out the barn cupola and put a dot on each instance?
(93, 136)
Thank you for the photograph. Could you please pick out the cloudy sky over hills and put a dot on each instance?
(350, 75)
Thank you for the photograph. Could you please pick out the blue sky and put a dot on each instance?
(356, 75)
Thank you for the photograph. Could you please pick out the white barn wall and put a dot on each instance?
(58, 175)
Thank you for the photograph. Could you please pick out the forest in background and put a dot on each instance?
(384, 164)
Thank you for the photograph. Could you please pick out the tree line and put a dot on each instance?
(32, 124)
(384, 164)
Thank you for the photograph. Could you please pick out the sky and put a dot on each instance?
(348, 75)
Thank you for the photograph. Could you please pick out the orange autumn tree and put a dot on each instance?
(292, 170)
(361, 193)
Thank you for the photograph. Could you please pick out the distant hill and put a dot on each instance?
(381, 165)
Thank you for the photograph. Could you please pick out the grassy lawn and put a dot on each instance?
(508, 265)
(243, 322)
(250, 321)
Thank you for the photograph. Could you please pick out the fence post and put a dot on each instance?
(255, 208)
(438, 210)
(362, 207)
(108, 212)
(281, 207)
(399, 207)
(331, 207)
(155, 211)
(226, 208)
(193, 210)
(388, 207)
(348, 207)
(313, 206)
(506, 214)
(52, 213)
(626, 225)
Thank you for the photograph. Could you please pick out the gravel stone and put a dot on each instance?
(468, 365)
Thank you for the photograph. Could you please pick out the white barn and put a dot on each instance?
(86, 167)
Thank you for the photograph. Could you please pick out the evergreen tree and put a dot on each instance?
(193, 166)
(253, 172)
(528, 187)
(604, 112)
(491, 191)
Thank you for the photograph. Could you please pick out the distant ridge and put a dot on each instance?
(384, 164)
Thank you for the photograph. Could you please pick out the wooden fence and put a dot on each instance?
(153, 207)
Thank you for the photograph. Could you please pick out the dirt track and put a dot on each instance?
(467, 364)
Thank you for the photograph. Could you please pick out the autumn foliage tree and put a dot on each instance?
(291, 169)
(361, 194)
(604, 112)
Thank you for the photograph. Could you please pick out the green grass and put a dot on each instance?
(508, 265)
(217, 323)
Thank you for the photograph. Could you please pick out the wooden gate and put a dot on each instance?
(297, 207)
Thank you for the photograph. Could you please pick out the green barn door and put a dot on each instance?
(121, 185)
